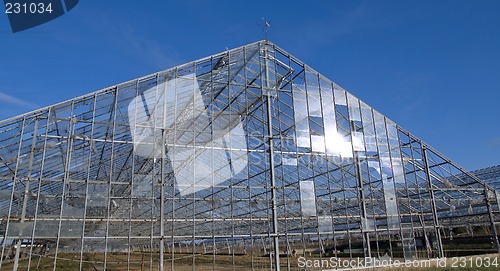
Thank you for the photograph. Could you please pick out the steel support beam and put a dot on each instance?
(435, 219)
(492, 219)
(27, 193)
(268, 94)
(364, 218)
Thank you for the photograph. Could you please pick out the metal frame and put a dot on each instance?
(201, 165)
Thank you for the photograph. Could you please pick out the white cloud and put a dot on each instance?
(11, 100)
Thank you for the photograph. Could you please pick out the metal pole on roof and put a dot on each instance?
(267, 25)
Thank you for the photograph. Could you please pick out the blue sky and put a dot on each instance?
(431, 66)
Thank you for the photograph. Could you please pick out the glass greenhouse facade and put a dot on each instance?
(247, 159)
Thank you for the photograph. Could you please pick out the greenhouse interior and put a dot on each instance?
(244, 160)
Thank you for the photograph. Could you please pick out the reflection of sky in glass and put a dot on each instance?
(325, 224)
(307, 198)
(367, 131)
(199, 147)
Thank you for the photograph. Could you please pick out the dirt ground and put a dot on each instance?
(183, 262)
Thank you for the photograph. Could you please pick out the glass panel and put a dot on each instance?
(339, 145)
(318, 143)
(307, 198)
(340, 96)
(301, 120)
(314, 105)
(354, 111)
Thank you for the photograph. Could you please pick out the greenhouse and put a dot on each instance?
(247, 159)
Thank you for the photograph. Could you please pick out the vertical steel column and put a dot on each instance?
(271, 161)
(111, 170)
(162, 201)
(87, 178)
(435, 219)
(131, 198)
(66, 164)
(40, 176)
(172, 195)
(162, 170)
(492, 219)
(8, 218)
(26, 196)
(366, 237)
